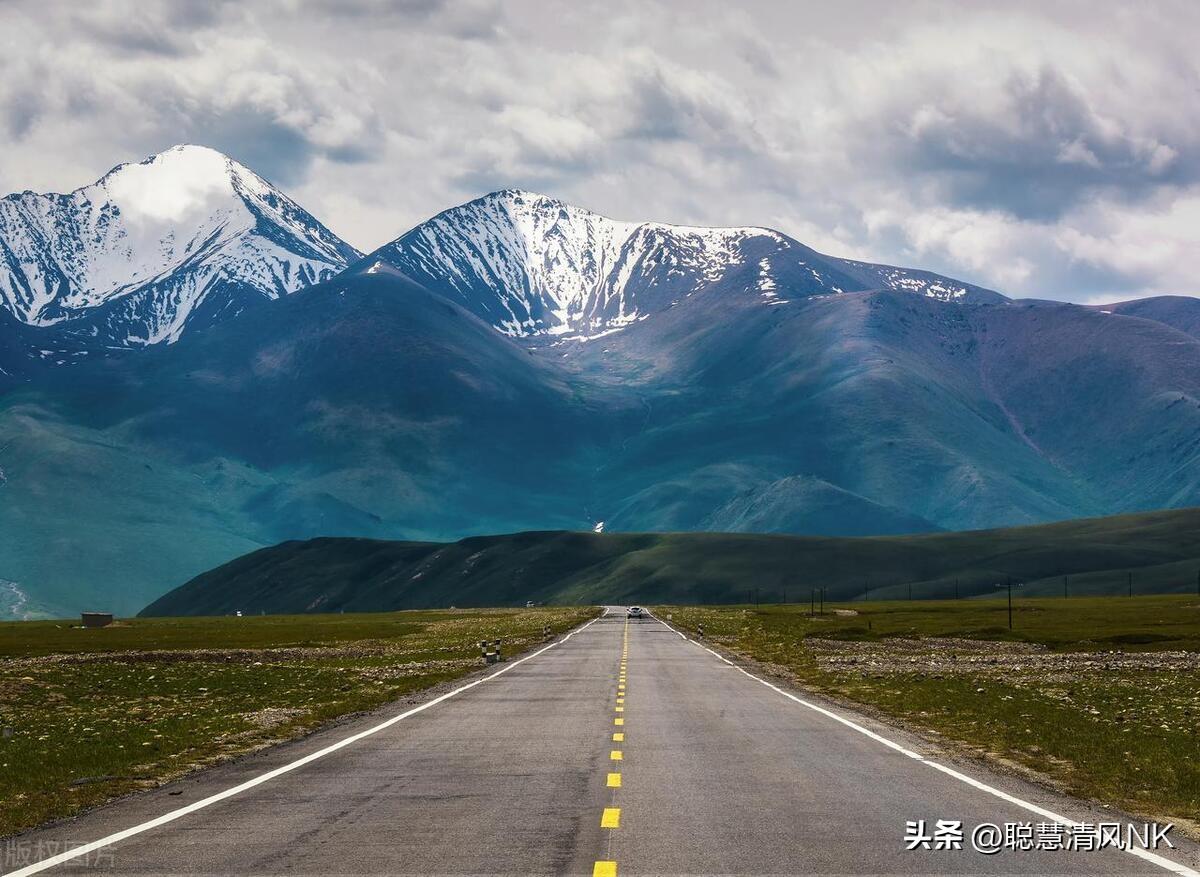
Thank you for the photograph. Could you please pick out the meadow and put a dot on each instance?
(87, 715)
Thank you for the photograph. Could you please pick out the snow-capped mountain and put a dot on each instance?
(181, 238)
(534, 265)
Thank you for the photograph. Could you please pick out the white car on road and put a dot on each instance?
(636, 612)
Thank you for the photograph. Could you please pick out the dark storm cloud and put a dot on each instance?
(277, 152)
(1048, 153)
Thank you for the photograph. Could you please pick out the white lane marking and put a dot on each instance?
(87, 848)
(1146, 855)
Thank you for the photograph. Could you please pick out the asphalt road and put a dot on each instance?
(625, 749)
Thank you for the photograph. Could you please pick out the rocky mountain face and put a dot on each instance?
(531, 265)
(177, 241)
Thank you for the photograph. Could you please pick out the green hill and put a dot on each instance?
(1159, 549)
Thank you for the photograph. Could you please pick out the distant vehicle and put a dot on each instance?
(636, 612)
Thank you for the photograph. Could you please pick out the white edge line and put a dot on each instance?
(87, 848)
(1146, 855)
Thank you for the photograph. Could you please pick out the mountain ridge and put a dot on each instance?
(151, 246)
(696, 390)
(533, 265)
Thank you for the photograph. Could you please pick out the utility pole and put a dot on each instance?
(956, 589)
(1130, 584)
(1066, 579)
(822, 600)
(1009, 585)
(910, 590)
(812, 603)
(867, 587)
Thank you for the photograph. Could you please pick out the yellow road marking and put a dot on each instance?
(618, 721)
(620, 709)
(611, 818)
(614, 781)
(616, 755)
(619, 737)
(604, 869)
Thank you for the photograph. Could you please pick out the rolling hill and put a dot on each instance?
(365, 575)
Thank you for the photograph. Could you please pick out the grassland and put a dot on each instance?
(1100, 697)
(86, 715)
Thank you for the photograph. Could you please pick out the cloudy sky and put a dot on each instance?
(1044, 149)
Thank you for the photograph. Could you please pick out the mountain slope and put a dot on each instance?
(457, 383)
(180, 239)
(1177, 311)
(367, 406)
(533, 265)
(365, 575)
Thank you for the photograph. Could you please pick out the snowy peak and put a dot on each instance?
(535, 265)
(148, 247)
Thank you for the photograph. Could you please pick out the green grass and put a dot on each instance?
(1100, 696)
(29, 638)
(86, 715)
(564, 568)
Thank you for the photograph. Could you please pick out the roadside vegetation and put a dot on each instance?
(86, 715)
(1100, 697)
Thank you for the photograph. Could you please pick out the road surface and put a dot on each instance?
(625, 748)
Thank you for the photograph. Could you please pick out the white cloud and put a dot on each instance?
(1042, 149)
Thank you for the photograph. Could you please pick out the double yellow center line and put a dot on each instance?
(611, 817)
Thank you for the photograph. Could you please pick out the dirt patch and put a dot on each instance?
(948, 656)
(273, 716)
